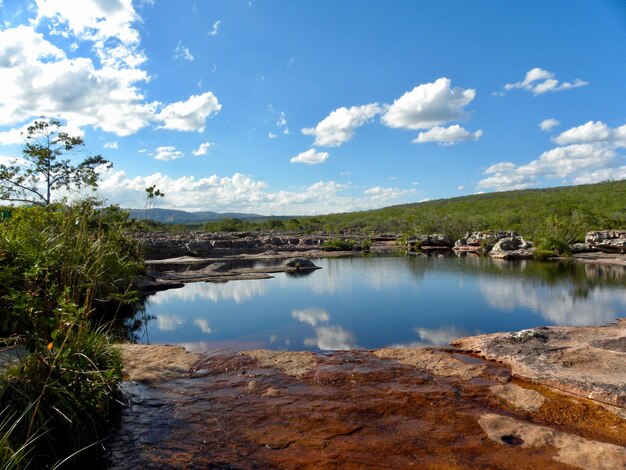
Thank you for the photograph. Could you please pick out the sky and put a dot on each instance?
(312, 107)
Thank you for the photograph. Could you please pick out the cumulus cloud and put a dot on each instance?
(428, 105)
(189, 115)
(604, 174)
(332, 338)
(111, 145)
(310, 157)
(585, 155)
(589, 132)
(182, 52)
(203, 325)
(169, 322)
(339, 126)
(203, 149)
(539, 81)
(104, 92)
(312, 316)
(548, 124)
(447, 135)
(167, 153)
(242, 193)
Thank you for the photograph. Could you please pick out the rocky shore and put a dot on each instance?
(544, 398)
(175, 259)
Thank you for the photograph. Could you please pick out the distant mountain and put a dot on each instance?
(172, 216)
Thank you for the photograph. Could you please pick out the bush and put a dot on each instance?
(338, 244)
(63, 271)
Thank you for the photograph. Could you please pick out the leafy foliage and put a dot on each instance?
(34, 178)
(63, 271)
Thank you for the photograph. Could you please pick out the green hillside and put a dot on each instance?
(566, 212)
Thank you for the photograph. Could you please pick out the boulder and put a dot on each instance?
(608, 241)
(487, 238)
(512, 248)
(301, 264)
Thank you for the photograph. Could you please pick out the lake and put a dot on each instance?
(378, 301)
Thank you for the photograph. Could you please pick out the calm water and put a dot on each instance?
(383, 301)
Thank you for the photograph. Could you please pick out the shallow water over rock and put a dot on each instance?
(356, 409)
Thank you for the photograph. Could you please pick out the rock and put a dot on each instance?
(300, 264)
(481, 241)
(580, 248)
(609, 241)
(512, 248)
(585, 361)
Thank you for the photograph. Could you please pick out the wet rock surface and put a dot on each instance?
(585, 361)
(421, 408)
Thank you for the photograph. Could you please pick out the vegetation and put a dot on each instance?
(64, 272)
(33, 178)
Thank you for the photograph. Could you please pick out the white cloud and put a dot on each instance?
(332, 338)
(588, 132)
(548, 124)
(310, 157)
(560, 162)
(585, 156)
(441, 336)
(167, 153)
(215, 29)
(271, 135)
(203, 149)
(189, 115)
(539, 81)
(203, 325)
(447, 135)
(109, 25)
(312, 316)
(111, 145)
(182, 52)
(460, 187)
(39, 79)
(169, 322)
(428, 105)
(241, 193)
(605, 174)
(339, 126)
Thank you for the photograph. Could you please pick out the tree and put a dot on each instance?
(153, 194)
(33, 178)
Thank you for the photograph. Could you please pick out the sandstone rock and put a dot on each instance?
(301, 263)
(585, 361)
(512, 248)
(609, 241)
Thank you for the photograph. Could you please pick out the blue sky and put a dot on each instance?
(294, 107)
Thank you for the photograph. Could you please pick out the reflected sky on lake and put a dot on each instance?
(384, 301)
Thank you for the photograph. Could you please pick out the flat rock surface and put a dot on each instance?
(585, 361)
(392, 408)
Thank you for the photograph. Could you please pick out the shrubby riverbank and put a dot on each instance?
(65, 273)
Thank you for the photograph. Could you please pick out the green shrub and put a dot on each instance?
(338, 244)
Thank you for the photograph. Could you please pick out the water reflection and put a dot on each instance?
(332, 338)
(327, 338)
(559, 305)
(238, 292)
(377, 302)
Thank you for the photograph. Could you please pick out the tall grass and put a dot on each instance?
(64, 271)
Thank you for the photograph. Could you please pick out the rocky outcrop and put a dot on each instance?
(301, 264)
(585, 361)
(512, 248)
(481, 241)
(608, 241)
(432, 241)
(163, 245)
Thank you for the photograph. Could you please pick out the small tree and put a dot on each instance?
(41, 171)
(153, 194)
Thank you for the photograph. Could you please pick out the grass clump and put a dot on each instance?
(65, 271)
(339, 244)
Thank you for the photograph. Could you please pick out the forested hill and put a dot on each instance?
(577, 208)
